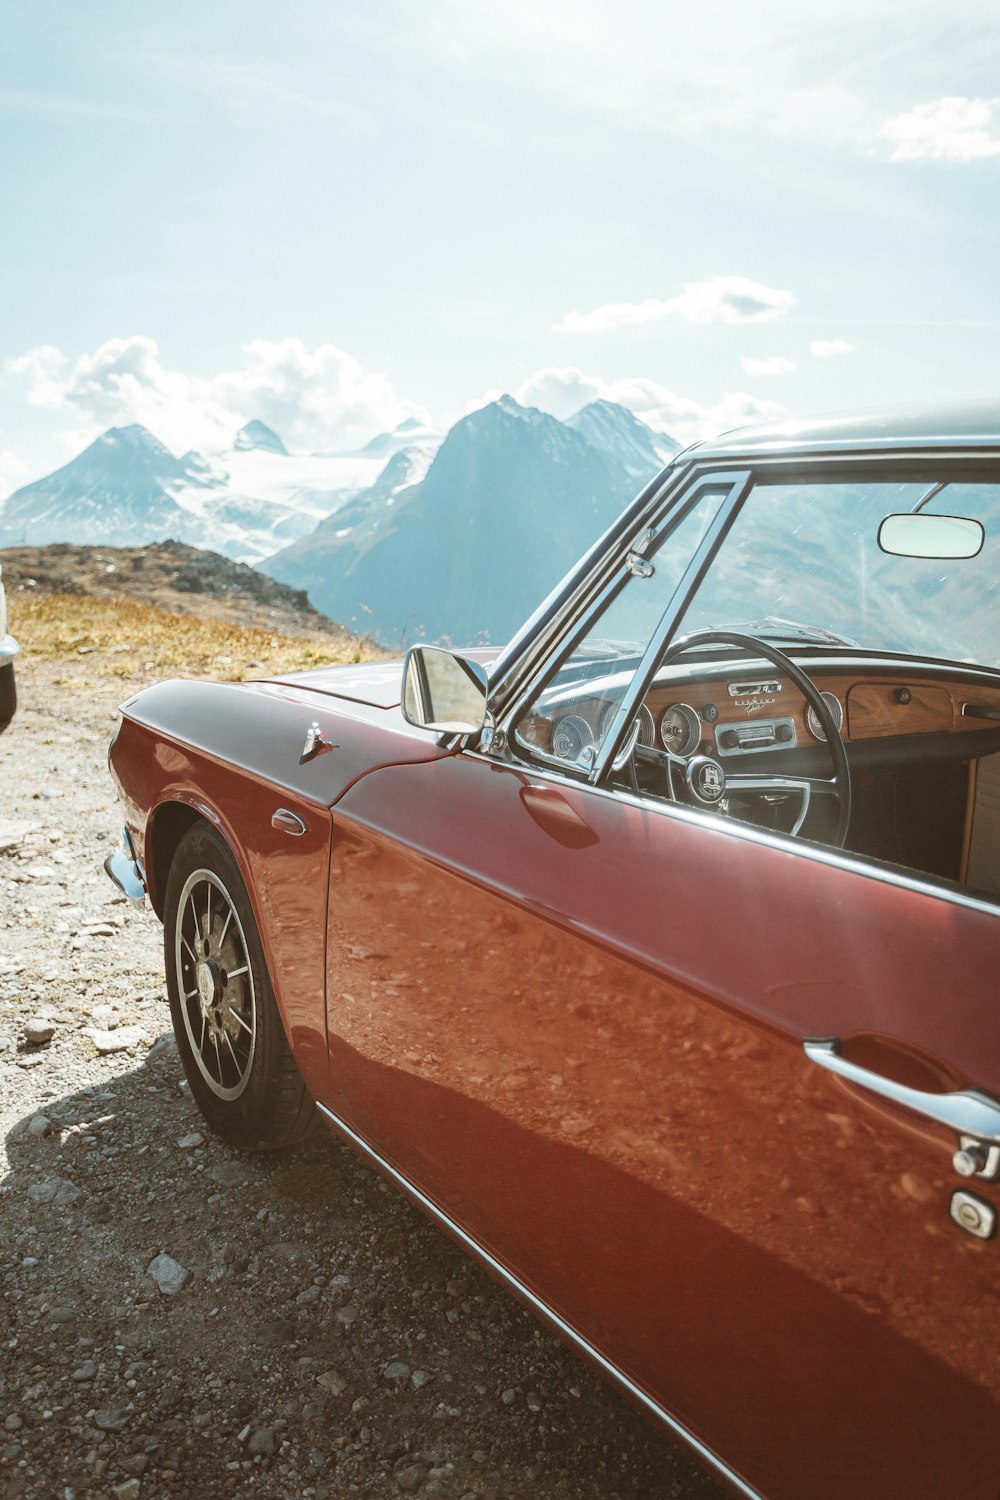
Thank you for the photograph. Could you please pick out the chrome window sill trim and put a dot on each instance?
(676, 1429)
(732, 828)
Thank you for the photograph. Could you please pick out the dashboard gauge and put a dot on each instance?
(680, 729)
(571, 735)
(812, 717)
(647, 728)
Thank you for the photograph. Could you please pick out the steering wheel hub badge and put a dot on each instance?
(706, 780)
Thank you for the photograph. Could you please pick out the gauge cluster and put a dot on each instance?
(683, 730)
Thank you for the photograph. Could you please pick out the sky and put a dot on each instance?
(334, 216)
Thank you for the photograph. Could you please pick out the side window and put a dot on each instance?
(568, 719)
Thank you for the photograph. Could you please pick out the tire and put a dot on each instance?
(8, 694)
(229, 1033)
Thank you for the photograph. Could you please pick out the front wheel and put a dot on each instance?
(229, 1034)
(8, 694)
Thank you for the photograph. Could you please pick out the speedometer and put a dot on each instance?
(812, 717)
(680, 729)
(571, 735)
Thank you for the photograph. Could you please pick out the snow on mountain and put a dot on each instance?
(615, 430)
(409, 434)
(127, 488)
(258, 435)
(509, 502)
(119, 490)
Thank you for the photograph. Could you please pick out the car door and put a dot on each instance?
(575, 1021)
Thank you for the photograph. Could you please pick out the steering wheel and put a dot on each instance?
(706, 780)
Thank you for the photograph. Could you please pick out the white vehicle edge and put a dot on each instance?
(8, 650)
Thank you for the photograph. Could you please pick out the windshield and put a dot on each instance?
(802, 563)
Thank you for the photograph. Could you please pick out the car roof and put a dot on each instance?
(970, 425)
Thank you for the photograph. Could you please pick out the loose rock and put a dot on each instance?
(168, 1274)
(37, 1032)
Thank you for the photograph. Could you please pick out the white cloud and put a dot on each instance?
(719, 299)
(829, 348)
(563, 391)
(775, 364)
(12, 471)
(314, 398)
(948, 129)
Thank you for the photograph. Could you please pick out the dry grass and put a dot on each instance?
(128, 639)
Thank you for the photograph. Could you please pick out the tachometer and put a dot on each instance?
(812, 717)
(680, 729)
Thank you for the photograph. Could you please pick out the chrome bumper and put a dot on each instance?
(8, 649)
(125, 870)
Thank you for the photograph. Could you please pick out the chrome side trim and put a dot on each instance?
(536, 1304)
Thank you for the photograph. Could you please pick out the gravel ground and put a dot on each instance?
(177, 1319)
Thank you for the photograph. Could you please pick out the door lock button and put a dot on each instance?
(973, 1214)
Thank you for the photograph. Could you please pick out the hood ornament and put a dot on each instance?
(316, 744)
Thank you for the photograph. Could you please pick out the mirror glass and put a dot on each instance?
(443, 691)
(924, 535)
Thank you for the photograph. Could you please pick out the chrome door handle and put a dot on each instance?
(288, 822)
(967, 1111)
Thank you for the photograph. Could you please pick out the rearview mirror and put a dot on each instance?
(443, 691)
(920, 534)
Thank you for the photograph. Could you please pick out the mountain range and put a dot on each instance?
(465, 552)
(127, 489)
(411, 537)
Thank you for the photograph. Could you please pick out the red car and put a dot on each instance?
(657, 956)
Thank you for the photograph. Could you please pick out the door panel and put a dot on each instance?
(575, 1022)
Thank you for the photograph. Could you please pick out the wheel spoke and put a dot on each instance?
(245, 1024)
(194, 913)
(190, 994)
(236, 973)
(236, 1060)
(187, 945)
(225, 926)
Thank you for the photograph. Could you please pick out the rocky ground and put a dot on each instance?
(180, 1320)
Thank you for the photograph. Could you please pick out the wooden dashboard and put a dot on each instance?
(720, 712)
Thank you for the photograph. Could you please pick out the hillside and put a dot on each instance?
(166, 575)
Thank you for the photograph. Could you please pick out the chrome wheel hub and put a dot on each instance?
(218, 998)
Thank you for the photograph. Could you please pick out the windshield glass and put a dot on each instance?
(802, 564)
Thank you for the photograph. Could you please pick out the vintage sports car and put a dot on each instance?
(8, 650)
(656, 957)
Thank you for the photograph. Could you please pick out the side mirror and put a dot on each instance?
(443, 691)
(920, 534)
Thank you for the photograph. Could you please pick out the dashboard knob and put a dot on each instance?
(784, 733)
(729, 739)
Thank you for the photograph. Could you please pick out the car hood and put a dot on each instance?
(378, 683)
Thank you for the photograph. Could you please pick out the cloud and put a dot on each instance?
(719, 299)
(829, 348)
(562, 391)
(315, 398)
(948, 129)
(12, 471)
(776, 364)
